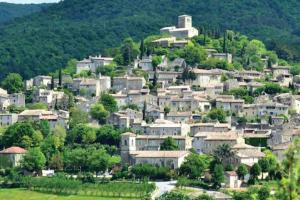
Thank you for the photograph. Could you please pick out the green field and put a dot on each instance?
(22, 194)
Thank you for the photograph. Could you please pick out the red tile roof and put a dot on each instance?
(13, 150)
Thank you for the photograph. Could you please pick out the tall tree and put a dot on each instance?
(109, 102)
(242, 171)
(99, 112)
(218, 175)
(166, 110)
(289, 185)
(34, 160)
(60, 78)
(52, 83)
(225, 42)
(169, 144)
(264, 165)
(142, 49)
(13, 83)
(144, 110)
(255, 171)
(222, 153)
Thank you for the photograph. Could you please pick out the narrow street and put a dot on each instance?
(163, 187)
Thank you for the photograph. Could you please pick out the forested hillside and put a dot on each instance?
(10, 11)
(45, 41)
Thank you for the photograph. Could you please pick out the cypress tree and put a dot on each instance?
(224, 43)
(60, 78)
(144, 110)
(154, 79)
(52, 83)
(142, 49)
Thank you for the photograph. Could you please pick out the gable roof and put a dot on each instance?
(13, 150)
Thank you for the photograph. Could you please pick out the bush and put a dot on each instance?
(192, 183)
(149, 171)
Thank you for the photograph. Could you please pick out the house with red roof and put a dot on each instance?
(11, 157)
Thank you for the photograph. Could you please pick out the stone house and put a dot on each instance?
(130, 154)
(92, 63)
(170, 42)
(17, 99)
(265, 109)
(163, 127)
(247, 156)
(178, 117)
(8, 119)
(222, 56)
(232, 180)
(124, 118)
(127, 83)
(248, 75)
(206, 78)
(90, 87)
(207, 142)
(230, 104)
(279, 70)
(60, 118)
(166, 78)
(11, 157)
(42, 81)
(209, 127)
(153, 142)
(184, 28)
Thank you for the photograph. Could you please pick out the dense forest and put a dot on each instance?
(9, 11)
(78, 28)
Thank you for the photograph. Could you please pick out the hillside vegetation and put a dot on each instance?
(45, 41)
(10, 11)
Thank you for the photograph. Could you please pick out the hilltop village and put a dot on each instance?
(210, 110)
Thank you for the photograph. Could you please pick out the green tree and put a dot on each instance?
(77, 116)
(166, 110)
(37, 106)
(263, 193)
(56, 162)
(288, 188)
(82, 134)
(264, 165)
(224, 42)
(70, 69)
(169, 144)
(193, 166)
(60, 78)
(295, 70)
(109, 102)
(142, 49)
(222, 153)
(52, 83)
(99, 112)
(98, 161)
(173, 196)
(129, 51)
(108, 135)
(204, 197)
(13, 108)
(193, 55)
(21, 134)
(217, 114)
(255, 171)
(144, 110)
(218, 175)
(156, 60)
(13, 83)
(34, 160)
(242, 171)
